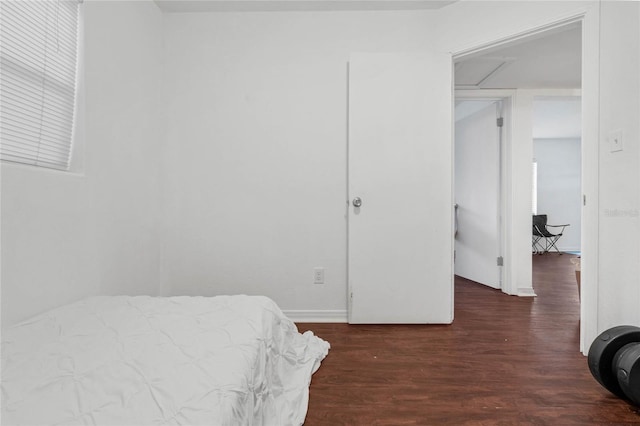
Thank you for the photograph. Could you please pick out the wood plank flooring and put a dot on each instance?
(504, 361)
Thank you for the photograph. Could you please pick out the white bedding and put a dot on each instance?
(226, 360)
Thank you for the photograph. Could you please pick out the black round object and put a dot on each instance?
(604, 349)
(626, 366)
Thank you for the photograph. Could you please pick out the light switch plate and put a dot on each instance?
(615, 141)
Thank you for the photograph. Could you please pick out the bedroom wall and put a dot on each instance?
(619, 290)
(94, 231)
(255, 162)
(123, 104)
(559, 192)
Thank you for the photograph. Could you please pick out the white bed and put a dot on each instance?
(226, 360)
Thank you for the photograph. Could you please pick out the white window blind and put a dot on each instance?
(38, 52)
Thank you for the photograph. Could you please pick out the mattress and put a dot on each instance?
(225, 360)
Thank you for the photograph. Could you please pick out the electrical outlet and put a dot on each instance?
(318, 275)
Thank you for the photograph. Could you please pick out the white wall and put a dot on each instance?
(123, 63)
(559, 187)
(256, 155)
(70, 235)
(557, 117)
(48, 251)
(618, 290)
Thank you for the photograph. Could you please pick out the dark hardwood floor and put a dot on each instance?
(504, 361)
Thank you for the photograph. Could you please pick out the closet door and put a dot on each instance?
(400, 213)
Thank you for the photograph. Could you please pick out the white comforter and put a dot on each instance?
(226, 360)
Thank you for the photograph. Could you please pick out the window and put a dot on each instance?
(38, 64)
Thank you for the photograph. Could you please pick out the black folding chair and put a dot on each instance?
(543, 239)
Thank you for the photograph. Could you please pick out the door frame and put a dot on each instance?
(589, 20)
(505, 98)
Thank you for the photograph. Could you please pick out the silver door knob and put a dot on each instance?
(357, 202)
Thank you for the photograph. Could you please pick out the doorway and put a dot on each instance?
(545, 62)
(557, 146)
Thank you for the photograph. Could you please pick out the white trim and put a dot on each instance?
(564, 249)
(543, 30)
(590, 178)
(317, 315)
(526, 292)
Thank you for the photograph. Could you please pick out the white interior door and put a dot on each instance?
(400, 170)
(477, 192)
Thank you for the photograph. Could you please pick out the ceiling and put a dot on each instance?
(548, 61)
(172, 6)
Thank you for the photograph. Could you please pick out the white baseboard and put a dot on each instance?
(317, 316)
(561, 250)
(526, 292)
(565, 249)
